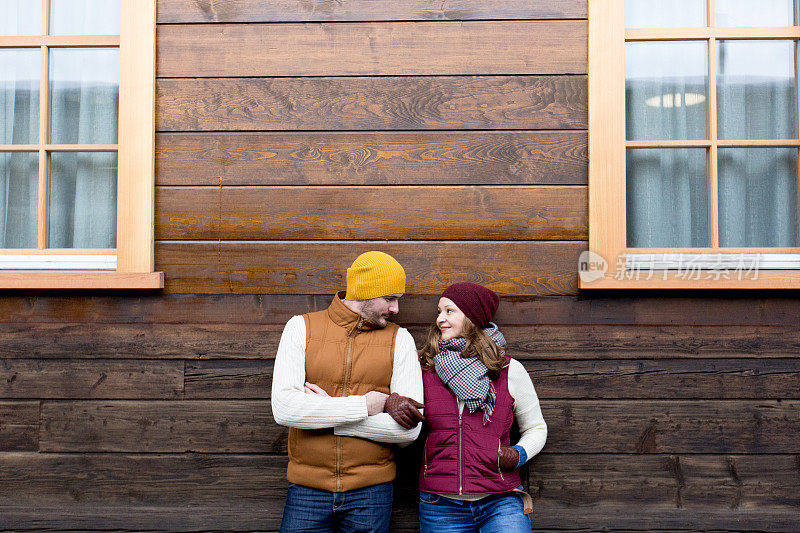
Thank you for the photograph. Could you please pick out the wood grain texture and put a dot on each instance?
(555, 379)
(698, 482)
(548, 343)
(19, 426)
(266, 518)
(422, 158)
(342, 213)
(183, 11)
(372, 103)
(373, 48)
(247, 426)
(668, 316)
(126, 341)
(534, 268)
(52, 379)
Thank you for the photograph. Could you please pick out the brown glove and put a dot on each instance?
(403, 410)
(509, 458)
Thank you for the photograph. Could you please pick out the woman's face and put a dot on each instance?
(450, 319)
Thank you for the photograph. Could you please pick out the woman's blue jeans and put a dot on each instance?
(500, 513)
(366, 510)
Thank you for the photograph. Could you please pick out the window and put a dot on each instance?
(77, 90)
(693, 144)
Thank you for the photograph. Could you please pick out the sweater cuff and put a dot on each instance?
(523, 455)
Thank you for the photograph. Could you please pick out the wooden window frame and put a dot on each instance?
(607, 162)
(134, 254)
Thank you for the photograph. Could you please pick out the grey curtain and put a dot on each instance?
(84, 91)
(667, 188)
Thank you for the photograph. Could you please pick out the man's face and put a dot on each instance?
(378, 310)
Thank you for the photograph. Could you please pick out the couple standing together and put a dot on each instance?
(350, 384)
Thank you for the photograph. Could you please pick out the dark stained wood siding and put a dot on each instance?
(453, 135)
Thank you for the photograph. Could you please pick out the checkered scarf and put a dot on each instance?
(468, 377)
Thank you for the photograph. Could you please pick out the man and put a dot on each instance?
(345, 380)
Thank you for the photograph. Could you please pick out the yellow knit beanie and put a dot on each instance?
(374, 274)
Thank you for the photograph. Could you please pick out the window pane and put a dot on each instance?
(666, 13)
(19, 193)
(20, 17)
(84, 17)
(20, 71)
(758, 197)
(665, 90)
(666, 198)
(83, 199)
(84, 95)
(754, 14)
(756, 90)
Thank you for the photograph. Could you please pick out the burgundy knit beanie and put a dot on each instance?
(475, 301)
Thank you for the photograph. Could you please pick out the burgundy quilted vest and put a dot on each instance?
(461, 454)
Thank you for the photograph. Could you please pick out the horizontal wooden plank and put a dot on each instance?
(19, 426)
(419, 158)
(183, 11)
(723, 483)
(554, 379)
(374, 48)
(696, 482)
(372, 103)
(590, 345)
(668, 378)
(535, 268)
(266, 519)
(670, 317)
(36, 378)
(342, 213)
(124, 341)
(598, 426)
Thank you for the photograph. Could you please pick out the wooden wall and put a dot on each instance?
(293, 135)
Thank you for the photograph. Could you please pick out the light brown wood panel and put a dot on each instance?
(557, 379)
(183, 11)
(668, 316)
(574, 426)
(372, 103)
(315, 213)
(533, 268)
(19, 426)
(373, 48)
(420, 158)
(36, 378)
(124, 341)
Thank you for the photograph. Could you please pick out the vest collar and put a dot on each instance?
(345, 317)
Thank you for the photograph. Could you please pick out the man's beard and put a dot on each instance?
(371, 315)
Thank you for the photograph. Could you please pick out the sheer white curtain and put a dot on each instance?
(19, 107)
(84, 89)
(757, 98)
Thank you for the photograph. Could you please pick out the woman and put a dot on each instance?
(473, 392)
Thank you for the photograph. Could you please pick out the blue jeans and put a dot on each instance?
(366, 510)
(499, 513)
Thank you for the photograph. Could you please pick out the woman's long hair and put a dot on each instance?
(479, 345)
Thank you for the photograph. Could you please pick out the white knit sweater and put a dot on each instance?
(347, 415)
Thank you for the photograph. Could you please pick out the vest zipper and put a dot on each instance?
(425, 454)
(499, 470)
(460, 465)
(347, 364)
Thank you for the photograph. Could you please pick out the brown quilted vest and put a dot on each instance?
(345, 355)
